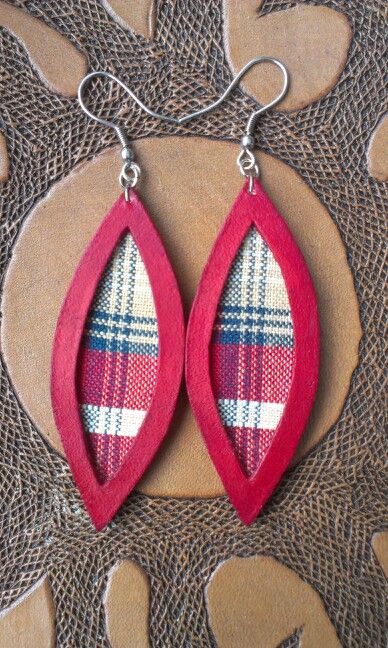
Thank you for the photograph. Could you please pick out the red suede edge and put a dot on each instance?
(248, 495)
(103, 500)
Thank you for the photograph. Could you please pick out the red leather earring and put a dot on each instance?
(252, 347)
(118, 351)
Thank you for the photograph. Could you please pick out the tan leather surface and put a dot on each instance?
(380, 547)
(56, 60)
(189, 190)
(29, 623)
(4, 159)
(258, 602)
(127, 602)
(138, 15)
(378, 151)
(301, 37)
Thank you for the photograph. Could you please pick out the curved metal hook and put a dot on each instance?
(106, 122)
(108, 75)
(182, 120)
(253, 118)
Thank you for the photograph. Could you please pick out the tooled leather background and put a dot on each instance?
(321, 520)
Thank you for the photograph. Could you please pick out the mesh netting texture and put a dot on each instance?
(321, 520)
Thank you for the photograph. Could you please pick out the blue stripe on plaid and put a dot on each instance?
(119, 321)
(254, 308)
(253, 321)
(122, 346)
(122, 331)
(260, 310)
(252, 337)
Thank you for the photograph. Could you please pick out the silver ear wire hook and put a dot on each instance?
(253, 118)
(130, 171)
(246, 161)
(105, 122)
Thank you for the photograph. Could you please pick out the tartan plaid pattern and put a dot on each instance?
(252, 351)
(118, 359)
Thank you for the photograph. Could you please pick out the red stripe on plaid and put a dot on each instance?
(131, 379)
(250, 446)
(109, 452)
(253, 373)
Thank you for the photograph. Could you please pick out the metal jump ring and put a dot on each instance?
(247, 163)
(129, 176)
(248, 167)
(246, 159)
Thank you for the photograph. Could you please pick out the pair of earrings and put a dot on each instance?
(251, 347)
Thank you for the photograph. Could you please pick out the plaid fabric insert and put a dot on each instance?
(118, 359)
(252, 354)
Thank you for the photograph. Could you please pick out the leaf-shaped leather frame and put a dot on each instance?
(249, 494)
(103, 500)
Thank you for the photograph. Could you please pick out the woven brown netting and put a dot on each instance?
(321, 519)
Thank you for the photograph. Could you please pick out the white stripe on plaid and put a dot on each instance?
(113, 421)
(250, 414)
